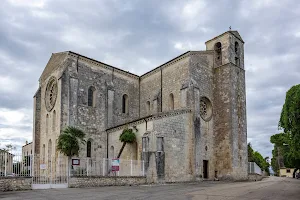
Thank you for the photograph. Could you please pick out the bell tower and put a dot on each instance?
(230, 127)
(228, 48)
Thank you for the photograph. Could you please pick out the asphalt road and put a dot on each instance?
(272, 188)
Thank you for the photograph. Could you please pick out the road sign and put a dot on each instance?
(75, 162)
(43, 166)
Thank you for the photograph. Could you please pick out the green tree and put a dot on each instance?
(250, 153)
(10, 147)
(281, 152)
(290, 123)
(68, 143)
(255, 156)
(127, 136)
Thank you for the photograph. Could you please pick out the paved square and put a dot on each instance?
(272, 188)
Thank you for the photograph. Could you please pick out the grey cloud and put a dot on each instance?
(140, 35)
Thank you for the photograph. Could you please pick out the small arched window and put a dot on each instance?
(44, 152)
(49, 150)
(125, 103)
(148, 107)
(112, 152)
(88, 149)
(47, 123)
(92, 96)
(237, 52)
(54, 121)
(171, 102)
(218, 53)
(236, 47)
(49, 154)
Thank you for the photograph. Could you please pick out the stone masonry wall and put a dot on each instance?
(176, 128)
(170, 77)
(37, 122)
(97, 181)
(201, 76)
(239, 124)
(15, 183)
(94, 119)
(223, 123)
(50, 126)
(230, 110)
(178, 138)
(173, 77)
(150, 91)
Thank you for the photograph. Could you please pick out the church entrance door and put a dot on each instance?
(205, 168)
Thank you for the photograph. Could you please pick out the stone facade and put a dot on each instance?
(27, 155)
(194, 104)
(6, 163)
(27, 149)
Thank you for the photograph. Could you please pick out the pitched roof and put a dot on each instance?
(235, 33)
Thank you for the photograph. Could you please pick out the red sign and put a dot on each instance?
(115, 165)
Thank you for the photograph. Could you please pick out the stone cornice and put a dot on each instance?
(48, 70)
(149, 118)
(103, 65)
(168, 114)
(234, 33)
(128, 74)
(171, 62)
(202, 52)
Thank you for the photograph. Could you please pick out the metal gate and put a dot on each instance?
(51, 172)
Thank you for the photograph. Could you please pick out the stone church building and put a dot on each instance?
(189, 114)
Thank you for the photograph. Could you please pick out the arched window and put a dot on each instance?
(125, 103)
(50, 155)
(47, 123)
(49, 149)
(92, 96)
(236, 47)
(112, 152)
(44, 152)
(54, 121)
(218, 53)
(148, 107)
(88, 149)
(237, 52)
(171, 102)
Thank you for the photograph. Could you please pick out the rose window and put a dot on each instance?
(51, 94)
(205, 109)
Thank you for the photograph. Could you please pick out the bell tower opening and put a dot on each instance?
(218, 53)
(237, 54)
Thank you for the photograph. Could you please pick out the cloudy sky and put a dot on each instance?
(139, 35)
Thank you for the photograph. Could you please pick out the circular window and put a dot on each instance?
(51, 93)
(205, 109)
